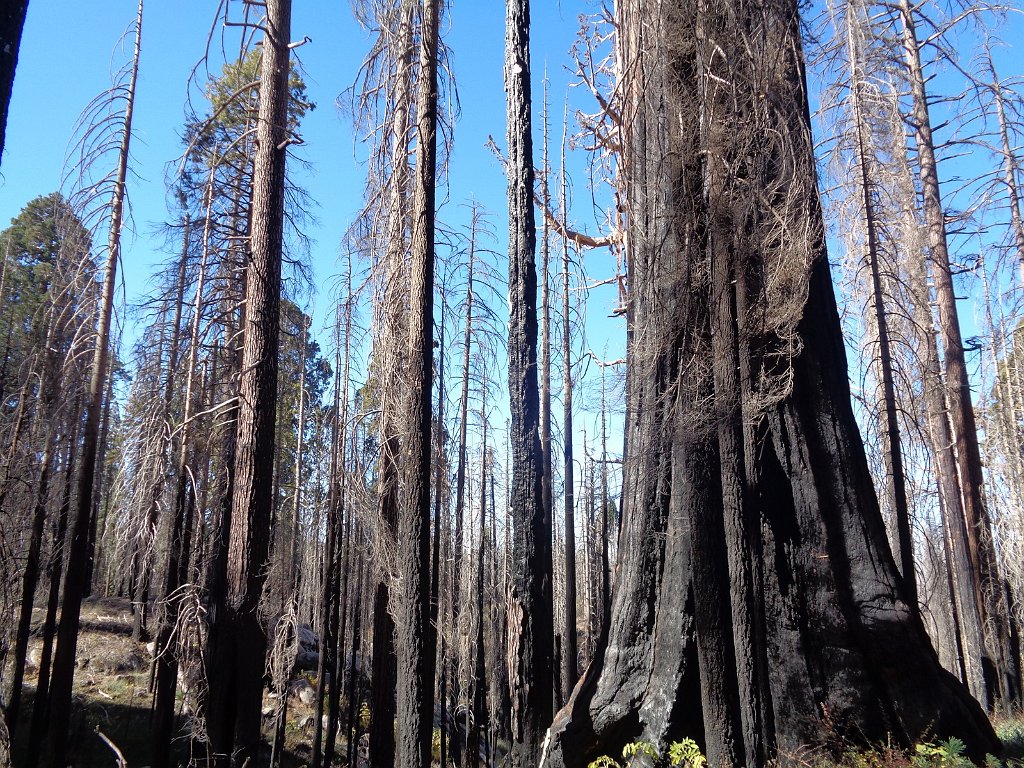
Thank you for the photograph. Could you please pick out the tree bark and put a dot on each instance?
(12, 21)
(816, 637)
(240, 636)
(531, 623)
(416, 634)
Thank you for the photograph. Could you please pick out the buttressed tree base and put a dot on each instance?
(758, 608)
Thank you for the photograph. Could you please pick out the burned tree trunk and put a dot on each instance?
(12, 21)
(758, 606)
(416, 635)
(80, 523)
(239, 637)
(530, 601)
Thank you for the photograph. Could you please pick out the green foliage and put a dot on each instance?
(43, 250)
(686, 754)
(638, 750)
(1011, 733)
(947, 754)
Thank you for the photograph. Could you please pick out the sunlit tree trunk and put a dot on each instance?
(719, 156)
(239, 635)
(1000, 689)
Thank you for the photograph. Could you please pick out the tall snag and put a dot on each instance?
(238, 637)
(757, 607)
(78, 533)
(530, 599)
(416, 635)
(1001, 685)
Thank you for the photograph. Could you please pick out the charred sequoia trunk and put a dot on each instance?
(758, 607)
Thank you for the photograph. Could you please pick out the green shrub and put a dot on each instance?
(681, 754)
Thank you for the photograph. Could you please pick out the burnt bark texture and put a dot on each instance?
(239, 637)
(12, 21)
(531, 624)
(758, 607)
(416, 635)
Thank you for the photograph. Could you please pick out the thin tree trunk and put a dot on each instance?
(339, 614)
(41, 700)
(329, 596)
(417, 643)
(382, 725)
(893, 451)
(99, 492)
(141, 596)
(570, 651)
(479, 683)
(562, 680)
(1010, 166)
(50, 387)
(355, 689)
(177, 545)
(78, 554)
(294, 570)
(958, 392)
(460, 467)
(440, 469)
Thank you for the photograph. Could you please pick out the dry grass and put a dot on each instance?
(111, 693)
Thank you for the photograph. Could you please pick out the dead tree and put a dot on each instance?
(1001, 689)
(238, 637)
(80, 524)
(530, 599)
(416, 635)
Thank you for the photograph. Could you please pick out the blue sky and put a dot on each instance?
(69, 52)
(67, 57)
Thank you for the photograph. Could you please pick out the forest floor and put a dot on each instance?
(112, 696)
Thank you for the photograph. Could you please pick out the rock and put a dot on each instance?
(307, 660)
(151, 647)
(304, 691)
